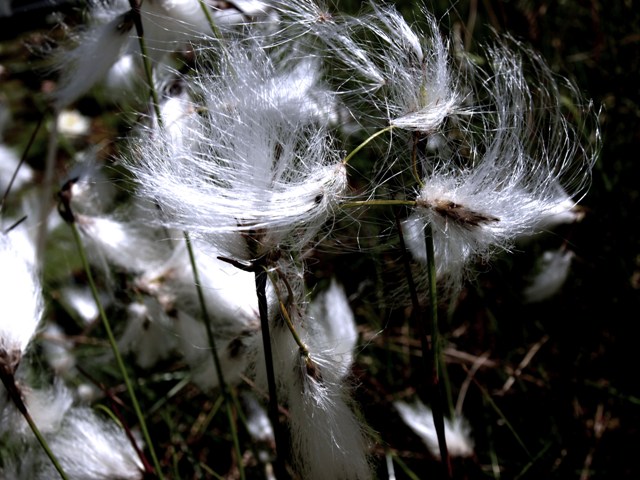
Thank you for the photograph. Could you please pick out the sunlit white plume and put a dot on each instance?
(419, 89)
(87, 446)
(232, 346)
(503, 180)
(108, 46)
(327, 439)
(21, 298)
(47, 407)
(258, 162)
(149, 334)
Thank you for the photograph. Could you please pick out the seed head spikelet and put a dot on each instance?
(257, 160)
(519, 161)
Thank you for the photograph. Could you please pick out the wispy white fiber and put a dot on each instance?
(228, 291)
(21, 298)
(552, 271)
(79, 300)
(47, 408)
(96, 49)
(232, 351)
(57, 349)
(420, 89)
(133, 247)
(149, 334)
(257, 163)
(88, 447)
(457, 431)
(327, 438)
(108, 48)
(507, 185)
(332, 320)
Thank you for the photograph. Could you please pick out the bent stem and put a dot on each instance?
(214, 353)
(9, 382)
(114, 347)
(363, 144)
(304, 350)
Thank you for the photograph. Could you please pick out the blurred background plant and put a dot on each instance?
(543, 375)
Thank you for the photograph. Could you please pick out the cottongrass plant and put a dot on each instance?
(523, 172)
(240, 169)
(256, 161)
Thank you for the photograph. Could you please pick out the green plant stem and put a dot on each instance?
(304, 350)
(10, 385)
(414, 161)
(116, 352)
(47, 188)
(137, 20)
(207, 13)
(436, 352)
(363, 144)
(214, 353)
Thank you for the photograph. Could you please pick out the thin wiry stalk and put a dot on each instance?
(304, 350)
(430, 354)
(206, 319)
(540, 454)
(137, 20)
(214, 353)
(114, 348)
(363, 144)
(47, 187)
(492, 404)
(23, 158)
(414, 162)
(207, 13)
(436, 352)
(261, 277)
(10, 385)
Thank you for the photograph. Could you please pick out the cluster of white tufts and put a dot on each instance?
(240, 162)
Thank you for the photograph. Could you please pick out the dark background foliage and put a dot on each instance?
(574, 409)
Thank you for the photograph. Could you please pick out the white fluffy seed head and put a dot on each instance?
(420, 90)
(21, 299)
(232, 351)
(256, 161)
(46, 406)
(89, 447)
(517, 166)
(96, 48)
(149, 334)
(551, 274)
(327, 438)
(457, 431)
(333, 323)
